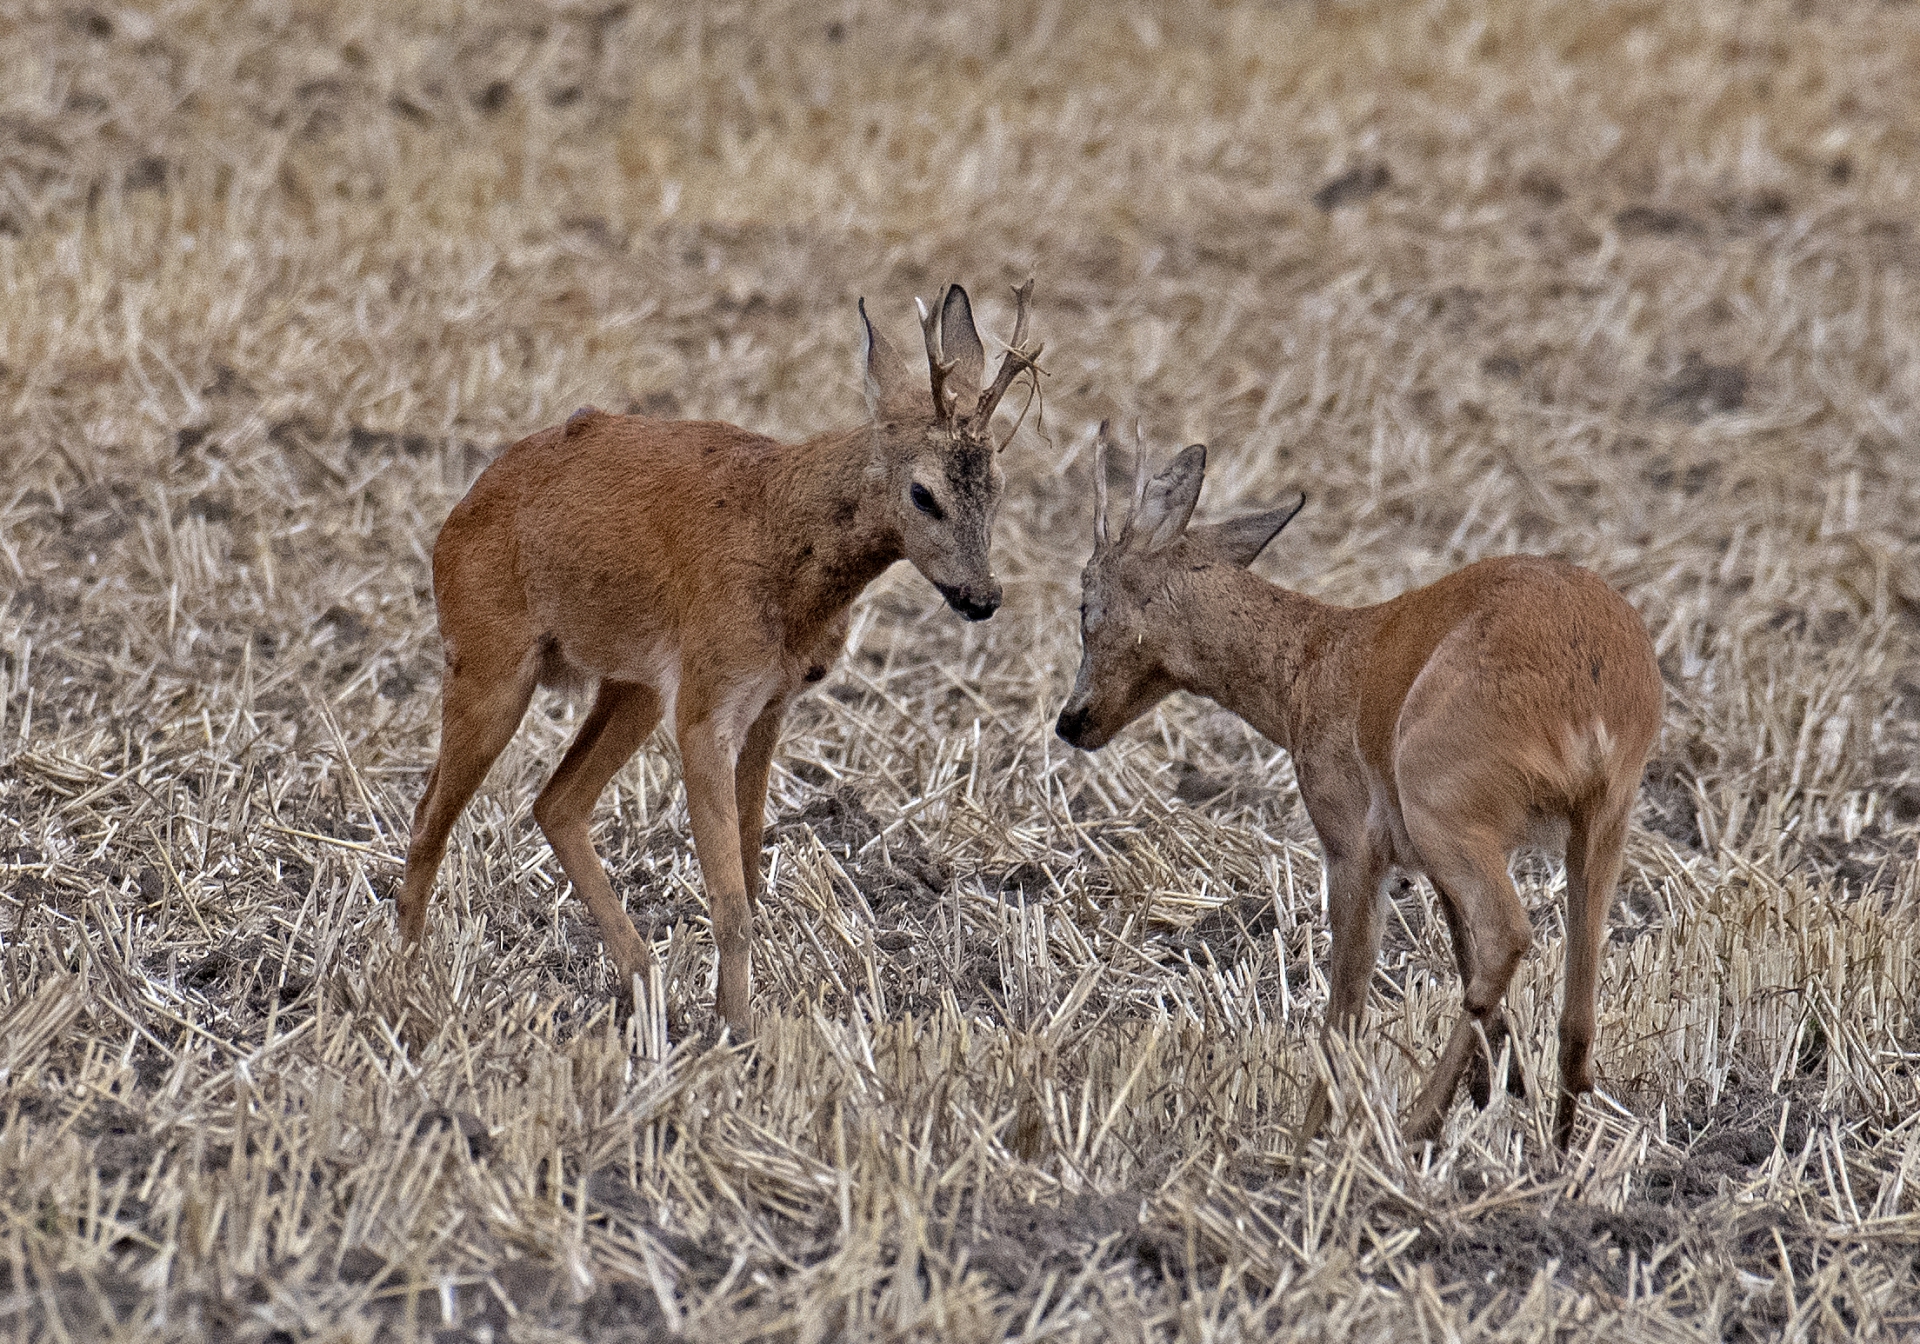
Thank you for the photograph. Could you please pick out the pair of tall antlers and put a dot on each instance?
(957, 375)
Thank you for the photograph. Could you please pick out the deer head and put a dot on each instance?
(938, 457)
(1129, 636)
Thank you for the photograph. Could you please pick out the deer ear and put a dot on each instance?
(885, 373)
(960, 343)
(1170, 497)
(1239, 541)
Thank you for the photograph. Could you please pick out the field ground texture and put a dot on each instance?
(1633, 284)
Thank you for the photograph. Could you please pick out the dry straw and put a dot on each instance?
(1631, 285)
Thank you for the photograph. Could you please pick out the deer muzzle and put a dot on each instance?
(1072, 726)
(976, 602)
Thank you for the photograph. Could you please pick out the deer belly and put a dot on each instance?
(1546, 832)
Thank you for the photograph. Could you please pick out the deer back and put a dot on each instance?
(1530, 660)
(617, 543)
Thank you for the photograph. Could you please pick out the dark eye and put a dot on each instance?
(924, 501)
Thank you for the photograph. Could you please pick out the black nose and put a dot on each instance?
(976, 604)
(1072, 725)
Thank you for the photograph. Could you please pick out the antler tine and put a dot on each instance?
(1139, 475)
(1100, 485)
(1021, 295)
(1018, 359)
(938, 368)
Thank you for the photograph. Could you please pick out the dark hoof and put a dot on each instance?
(1480, 1072)
(1428, 1132)
(1563, 1117)
(1479, 1082)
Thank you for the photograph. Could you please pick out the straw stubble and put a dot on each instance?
(1629, 286)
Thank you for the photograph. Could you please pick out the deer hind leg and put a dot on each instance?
(1480, 1070)
(1594, 843)
(477, 717)
(1469, 868)
(623, 714)
(1355, 896)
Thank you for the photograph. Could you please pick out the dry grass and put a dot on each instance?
(1631, 284)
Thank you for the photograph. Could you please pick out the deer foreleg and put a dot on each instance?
(750, 792)
(708, 764)
(1354, 895)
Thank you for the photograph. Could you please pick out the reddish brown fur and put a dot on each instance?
(1510, 703)
(697, 569)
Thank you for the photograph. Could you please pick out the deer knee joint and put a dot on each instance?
(1494, 967)
(1508, 945)
(548, 814)
(553, 815)
(1576, 1060)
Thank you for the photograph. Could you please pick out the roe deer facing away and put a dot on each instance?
(702, 571)
(1510, 703)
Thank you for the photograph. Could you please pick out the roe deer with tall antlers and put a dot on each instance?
(697, 569)
(1511, 703)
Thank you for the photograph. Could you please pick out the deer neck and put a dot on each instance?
(1255, 648)
(829, 525)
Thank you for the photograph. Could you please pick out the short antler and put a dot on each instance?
(939, 368)
(1139, 480)
(1100, 485)
(1018, 359)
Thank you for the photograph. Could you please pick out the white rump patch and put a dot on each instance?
(1589, 750)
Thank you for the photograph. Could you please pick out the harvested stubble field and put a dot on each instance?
(1631, 284)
